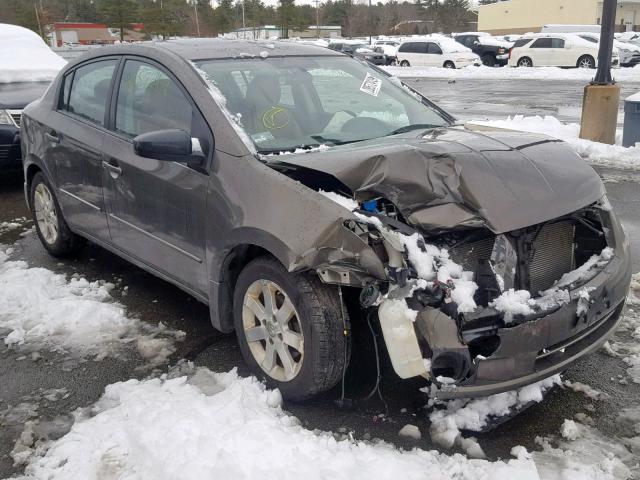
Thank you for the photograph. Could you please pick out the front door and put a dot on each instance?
(156, 209)
(75, 145)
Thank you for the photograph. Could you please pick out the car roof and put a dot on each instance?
(218, 48)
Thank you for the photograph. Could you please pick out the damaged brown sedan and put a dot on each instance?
(295, 190)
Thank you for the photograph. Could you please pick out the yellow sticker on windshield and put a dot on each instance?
(371, 85)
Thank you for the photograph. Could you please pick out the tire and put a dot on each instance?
(488, 60)
(405, 63)
(54, 233)
(586, 61)
(525, 62)
(449, 64)
(319, 320)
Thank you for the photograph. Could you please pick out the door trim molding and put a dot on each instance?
(95, 207)
(151, 235)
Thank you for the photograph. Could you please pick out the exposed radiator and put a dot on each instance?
(553, 255)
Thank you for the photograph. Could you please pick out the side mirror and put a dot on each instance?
(171, 146)
(476, 43)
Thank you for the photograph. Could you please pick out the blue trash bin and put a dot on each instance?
(631, 131)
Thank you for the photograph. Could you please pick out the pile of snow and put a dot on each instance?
(595, 153)
(24, 57)
(40, 309)
(206, 425)
(511, 73)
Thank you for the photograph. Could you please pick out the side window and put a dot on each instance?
(541, 43)
(148, 100)
(89, 90)
(413, 47)
(557, 43)
(66, 89)
(521, 42)
(434, 48)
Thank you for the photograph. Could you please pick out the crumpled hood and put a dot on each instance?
(504, 180)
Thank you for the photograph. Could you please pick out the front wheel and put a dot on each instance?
(586, 61)
(292, 329)
(405, 63)
(449, 64)
(54, 233)
(525, 62)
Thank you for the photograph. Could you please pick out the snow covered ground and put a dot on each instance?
(510, 73)
(43, 310)
(193, 423)
(596, 153)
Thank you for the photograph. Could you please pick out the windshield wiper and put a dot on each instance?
(415, 126)
(335, 141)
(284, 151)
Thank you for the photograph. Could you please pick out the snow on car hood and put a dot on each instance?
(24, 57)
(452, 177)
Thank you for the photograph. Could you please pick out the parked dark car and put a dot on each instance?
(491, 51)
(303, 191)
(13, 98)
(362, 51)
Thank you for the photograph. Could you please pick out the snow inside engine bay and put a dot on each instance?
(437, 272)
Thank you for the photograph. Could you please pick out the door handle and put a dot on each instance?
(52, 136)
(114, 170)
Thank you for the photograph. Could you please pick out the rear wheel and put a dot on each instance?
(586, 61)
(525, 62)
(489, 60)
(449, 64)
(405, 63)
(290, 328)
(55, 235)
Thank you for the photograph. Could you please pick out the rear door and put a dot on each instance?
(542, 53)
(434, 57)
(75, 143)
(156, 209)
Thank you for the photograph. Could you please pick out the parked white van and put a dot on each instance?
(435, 51)
(555, 50)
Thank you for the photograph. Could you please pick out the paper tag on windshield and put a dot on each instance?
(371, 85)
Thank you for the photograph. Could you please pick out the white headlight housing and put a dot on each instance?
(5, 118)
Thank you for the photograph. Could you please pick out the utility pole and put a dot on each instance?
(602, 95)
(244, 31)
(369, 18)
(35, 6)
(317, 19)
(195, 8)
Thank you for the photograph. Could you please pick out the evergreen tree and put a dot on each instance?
(119, 14)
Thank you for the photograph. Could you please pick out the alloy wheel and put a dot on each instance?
(272, 330)
(46, 215)
(585, 63)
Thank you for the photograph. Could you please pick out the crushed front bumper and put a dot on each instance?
(549, 344)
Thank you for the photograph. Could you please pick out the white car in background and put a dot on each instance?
(555, 50)
(628, 53)
(435, 51)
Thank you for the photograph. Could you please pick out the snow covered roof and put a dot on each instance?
(24, 57)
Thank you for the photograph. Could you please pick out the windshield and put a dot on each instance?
(303, 102)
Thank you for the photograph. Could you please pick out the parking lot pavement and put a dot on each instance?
(495, 99)
(49, 386)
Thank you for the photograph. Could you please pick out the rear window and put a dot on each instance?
(413, 47)
(89, 90)
(521, 42)
(541, 43)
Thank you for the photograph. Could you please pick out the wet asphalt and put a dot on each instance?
(23, 381)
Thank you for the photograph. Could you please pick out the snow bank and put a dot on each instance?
(595, 153)
(24, 57)
(510, 73)
(41, 309)
(208, 425)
